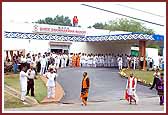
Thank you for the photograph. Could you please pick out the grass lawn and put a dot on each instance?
(143, 75)
(12, 102)
(40, 88)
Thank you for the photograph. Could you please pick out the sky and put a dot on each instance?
(21, 12)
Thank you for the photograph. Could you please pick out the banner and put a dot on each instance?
(59, 30)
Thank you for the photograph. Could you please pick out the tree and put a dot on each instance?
(98, 26)
(124, 25)
(57, 20)
(127, 25)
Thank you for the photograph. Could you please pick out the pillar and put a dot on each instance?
(142, 52)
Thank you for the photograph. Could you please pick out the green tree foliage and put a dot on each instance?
(57, 20)
(98, 26)
(124, 25)
(89, 27)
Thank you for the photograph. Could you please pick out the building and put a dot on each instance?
(36, 38)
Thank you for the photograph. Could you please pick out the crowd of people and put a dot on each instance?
(42, 61)
(109, 60)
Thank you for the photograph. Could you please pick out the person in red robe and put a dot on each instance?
(75, 21)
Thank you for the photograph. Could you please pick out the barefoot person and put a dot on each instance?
(85, 88)
(131, 89)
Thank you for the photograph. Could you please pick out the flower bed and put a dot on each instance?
(123, 74)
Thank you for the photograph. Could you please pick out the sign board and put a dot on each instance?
(59, 30)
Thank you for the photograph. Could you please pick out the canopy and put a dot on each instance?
(39, 36)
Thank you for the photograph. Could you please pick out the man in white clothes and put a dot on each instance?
(94, 61)
(102, 61)
(85, 60)
(43, 65)
(51, 83)
(97, 60)
(66, 60)
(91, 60)
(131, 89)
(109, 60)
(23, 83)
(82, 59)
(134, 61)
(105, 60)
(119, 59)
(59, 60)
(62, 61)
(112, 61)
(56, 62)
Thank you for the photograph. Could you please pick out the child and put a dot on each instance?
(160, 89)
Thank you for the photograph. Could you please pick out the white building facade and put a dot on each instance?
(35, 46)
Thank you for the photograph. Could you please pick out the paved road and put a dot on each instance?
(106, 85)
(107, 88)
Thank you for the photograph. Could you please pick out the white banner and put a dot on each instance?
(59, 30)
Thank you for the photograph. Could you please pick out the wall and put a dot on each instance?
(33, 46)
(101, 47)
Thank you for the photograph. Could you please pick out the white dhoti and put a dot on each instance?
(42, 70)
(23, 84)
(109, 65)
(94, 63)
(65, 62)
(51, 92)
(23, 90)
(119, 65)
(132, 93)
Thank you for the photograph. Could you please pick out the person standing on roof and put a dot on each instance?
(75, 21)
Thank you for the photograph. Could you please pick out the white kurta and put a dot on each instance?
(51, 83)
(43, 62)
(94, 61)
(23, 84)
(62, 61)
(23, 81)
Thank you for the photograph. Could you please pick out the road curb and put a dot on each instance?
(17, 94)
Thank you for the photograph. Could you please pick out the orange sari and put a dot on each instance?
(73, 61)
(77, 61)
